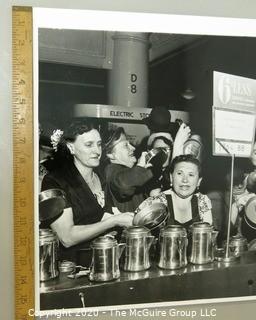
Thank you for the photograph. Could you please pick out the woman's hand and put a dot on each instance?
(182, 134)
(155, 192)
(123, 219)
(142, 161)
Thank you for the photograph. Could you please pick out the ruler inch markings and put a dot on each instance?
(22, 102)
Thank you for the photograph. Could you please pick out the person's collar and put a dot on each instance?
(182, 198)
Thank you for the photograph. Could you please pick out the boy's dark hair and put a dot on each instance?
(112, 137)
(164, 139)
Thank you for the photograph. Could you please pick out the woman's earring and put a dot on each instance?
(197, 188)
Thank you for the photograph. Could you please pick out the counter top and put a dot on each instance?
(213, 280)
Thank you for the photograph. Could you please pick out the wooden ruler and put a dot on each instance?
(22, 99)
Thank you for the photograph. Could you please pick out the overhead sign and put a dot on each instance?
(117, 112)
(234, 103)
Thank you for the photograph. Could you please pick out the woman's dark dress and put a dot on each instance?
(80, 198)
(194, 209)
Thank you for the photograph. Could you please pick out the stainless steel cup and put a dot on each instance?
(203, 243)
(105, 259)
(173, 247)
(237, 245)
(138, 241)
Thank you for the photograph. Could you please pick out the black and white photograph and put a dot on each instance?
(145, 185)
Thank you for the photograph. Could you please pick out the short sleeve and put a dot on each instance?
(49, 183)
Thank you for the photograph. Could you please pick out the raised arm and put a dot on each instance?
(181, 137)
(124, 180)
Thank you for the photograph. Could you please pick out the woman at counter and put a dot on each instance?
(125, 176)
(79, 151)
(185, 203)
(164, 141)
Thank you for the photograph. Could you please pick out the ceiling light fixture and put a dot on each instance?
(188, 94)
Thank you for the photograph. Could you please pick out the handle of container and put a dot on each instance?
(150, 242)
(121, 247)
(181, 246)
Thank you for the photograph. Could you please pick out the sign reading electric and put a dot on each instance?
(127, 114)
(116, 112)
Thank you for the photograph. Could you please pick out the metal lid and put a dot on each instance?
(172, 230)
(201, 227)
(136, 231)
(150, 214)
(46, 236)
(45, 232)
(104, 242)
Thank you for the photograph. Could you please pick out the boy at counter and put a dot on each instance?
(125, 176)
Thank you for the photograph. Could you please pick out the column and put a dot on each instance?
(128, 82)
